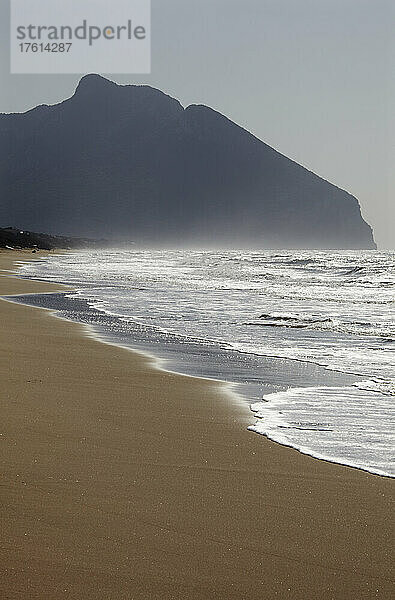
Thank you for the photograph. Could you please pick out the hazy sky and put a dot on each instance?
(313, 78)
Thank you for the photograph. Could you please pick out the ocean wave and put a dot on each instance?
(355, 270)
(380, 386)
(301, 261)
(323, 323)
(289, 320)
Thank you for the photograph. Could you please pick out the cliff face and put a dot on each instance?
(131, 162)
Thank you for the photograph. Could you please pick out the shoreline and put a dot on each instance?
(228, 388)
(161, 493)
(169, 361)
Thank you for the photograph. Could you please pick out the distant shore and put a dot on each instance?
(12, 238)
(124, 481)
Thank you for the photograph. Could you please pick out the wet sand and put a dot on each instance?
(122, 481)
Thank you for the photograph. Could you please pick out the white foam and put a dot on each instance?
(338, 424)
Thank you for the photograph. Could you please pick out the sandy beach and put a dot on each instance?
(123, 481)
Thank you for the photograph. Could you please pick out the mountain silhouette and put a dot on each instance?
(129, 162)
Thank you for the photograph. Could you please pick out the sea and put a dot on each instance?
(305, 338)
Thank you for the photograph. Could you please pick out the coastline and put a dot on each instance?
(122, 480)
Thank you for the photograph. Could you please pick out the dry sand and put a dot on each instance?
(121, 481)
